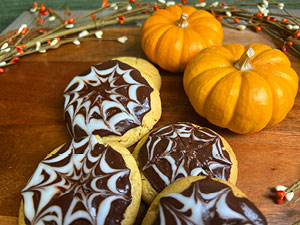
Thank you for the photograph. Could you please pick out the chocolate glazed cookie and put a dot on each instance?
(83, 182)
(179, 150)
(202, 201)
(113, 100)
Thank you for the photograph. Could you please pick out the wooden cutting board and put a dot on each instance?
(32, 125)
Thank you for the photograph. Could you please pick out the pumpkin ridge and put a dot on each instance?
(162, 12)
(258, 48)
(190, 36)
(236, 100)
(284, 60)
(271, 91)
(275, 73)
(227, 62)
(189, 10)
(200, 89)
(153, 32)
(261, 114)
(159, 19)
(208, 23)
(236, 50)
(160, 39)
(199, 14)
(234, 111)
(200, 34)
(181, 54)
(284, 87)
(206, 71)
(153, 29)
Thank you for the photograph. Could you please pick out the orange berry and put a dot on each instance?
(281, 194)
(15, 59)
(1, 70)
(42, 8)
(296, 34)
(104, 3)
(71, 20)
(257, 28)
(290, 43)
(280, 200)
(258, 14)
(24, 30)
(236, 20)
(40, 22)
(93, 16)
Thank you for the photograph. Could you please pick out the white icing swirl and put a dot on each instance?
(185, 151)
(199, 205)
(79, 183)
(106, 100)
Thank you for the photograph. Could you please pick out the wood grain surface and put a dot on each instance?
(32, 125)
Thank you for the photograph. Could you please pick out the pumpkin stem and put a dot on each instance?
(243, 63)
(183, 20)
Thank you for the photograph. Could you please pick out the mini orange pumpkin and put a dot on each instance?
(241, 88)
(173, 36)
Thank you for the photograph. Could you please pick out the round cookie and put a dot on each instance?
(178, 150)
(114, 101)
(83, 182)
(203, 201)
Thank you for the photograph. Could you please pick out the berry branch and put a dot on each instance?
(40, 38)
(283, 27)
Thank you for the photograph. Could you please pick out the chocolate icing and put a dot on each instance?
(108, 99)
(84, 183)
(207, 202)
(180, 150)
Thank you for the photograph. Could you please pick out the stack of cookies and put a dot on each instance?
(186, 173)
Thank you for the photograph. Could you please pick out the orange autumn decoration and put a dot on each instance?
(173, 36)
(241, 88)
